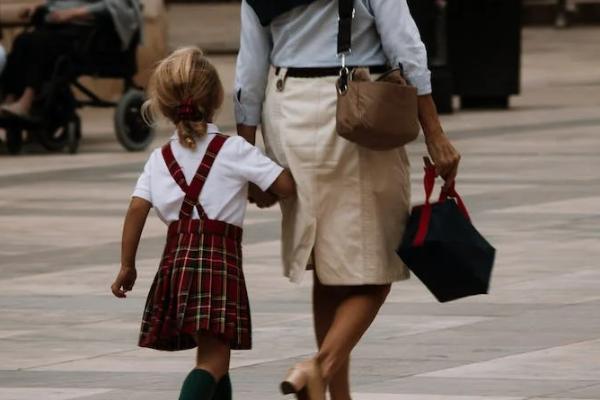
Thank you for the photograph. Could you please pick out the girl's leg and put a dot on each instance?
(353, 316)
(213, 355)
(326, 300)
(212, 364)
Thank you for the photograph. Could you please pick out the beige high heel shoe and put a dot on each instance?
(306, 381)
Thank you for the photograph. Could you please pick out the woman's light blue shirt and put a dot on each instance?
(383, 31)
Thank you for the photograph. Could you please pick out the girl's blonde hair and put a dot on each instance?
(185, 88)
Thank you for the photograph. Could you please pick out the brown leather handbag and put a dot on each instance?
(380, 114)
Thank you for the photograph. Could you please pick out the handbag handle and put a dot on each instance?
(446, 193)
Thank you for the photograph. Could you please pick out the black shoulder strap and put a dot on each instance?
(268, 10)
(346, 15)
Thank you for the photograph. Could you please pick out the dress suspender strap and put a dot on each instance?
(193, 190)
(192, 197)
(174, 168)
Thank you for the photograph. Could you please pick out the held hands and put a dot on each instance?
(124, 282)
(260, 198)
(444, 156)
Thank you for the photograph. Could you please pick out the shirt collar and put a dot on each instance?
(210, 129)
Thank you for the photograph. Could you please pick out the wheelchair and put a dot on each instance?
(56, 124)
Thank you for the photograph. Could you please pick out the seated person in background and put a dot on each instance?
(2, 50)
(34, 54)
(2, 53)
(2, 58)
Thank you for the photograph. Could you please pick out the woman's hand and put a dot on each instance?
(442, 152)
(124, 282)
(68, 15)
(260, 198)
(444, 156)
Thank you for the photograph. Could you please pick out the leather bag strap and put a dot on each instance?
(345, 15)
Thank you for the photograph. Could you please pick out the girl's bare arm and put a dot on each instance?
(284, 186)
(132, 231)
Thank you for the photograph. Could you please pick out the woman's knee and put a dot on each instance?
(378, 292)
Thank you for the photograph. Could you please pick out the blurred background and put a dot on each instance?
(518, 83)
(476, 52)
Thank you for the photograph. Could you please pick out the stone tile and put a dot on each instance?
(48, 393)
(135, 395)
(586, 205)
(466, 386)
(575, 362)
(582, 392)
(412, 396)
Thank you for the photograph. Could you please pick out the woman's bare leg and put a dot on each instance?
(353, 316)
(326, 300)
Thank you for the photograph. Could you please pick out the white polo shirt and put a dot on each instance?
(224, 196)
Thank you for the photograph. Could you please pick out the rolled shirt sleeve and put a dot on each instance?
(252, 68)
(402, 42)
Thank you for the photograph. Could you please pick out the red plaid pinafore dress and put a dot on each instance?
(200, 285)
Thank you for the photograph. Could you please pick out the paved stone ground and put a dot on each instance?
(530, 177)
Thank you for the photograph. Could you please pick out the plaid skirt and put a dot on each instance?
(199, 288)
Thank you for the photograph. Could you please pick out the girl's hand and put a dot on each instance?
(124, 282)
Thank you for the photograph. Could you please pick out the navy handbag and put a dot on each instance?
(442, 247)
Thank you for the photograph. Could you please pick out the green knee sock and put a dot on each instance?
(223, 391)
(198, 385)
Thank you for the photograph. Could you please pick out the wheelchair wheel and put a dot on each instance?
(14, 140)
(74, 134)
(57, 137)
(133, 133)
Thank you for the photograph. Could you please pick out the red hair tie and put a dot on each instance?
(187, 112)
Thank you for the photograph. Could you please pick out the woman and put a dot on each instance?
(352, 203)
(35, 53)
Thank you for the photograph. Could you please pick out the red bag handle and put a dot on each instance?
(450, 192)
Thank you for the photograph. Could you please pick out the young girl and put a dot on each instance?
(198, 184)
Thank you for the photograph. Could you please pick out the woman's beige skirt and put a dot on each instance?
(352, 204)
